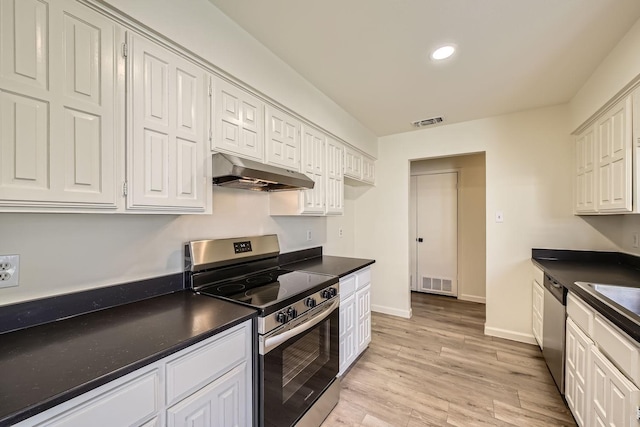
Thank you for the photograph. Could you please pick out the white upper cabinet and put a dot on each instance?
(368, 170)
(313, 165)
(334, 181)
(282, 139)
(60, 122)
(167, 130)
(585, 178)
(352, 163)
(359, 169)
(605, 168)
(614, 158)
(237, 122)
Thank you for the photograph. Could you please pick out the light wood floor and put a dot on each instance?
(439, 369)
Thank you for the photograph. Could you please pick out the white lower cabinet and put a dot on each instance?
(355, 316)
(537, 311)
(347, 331)
(578, 348)
(210, 383)
(363, 302)
(601, 386)
(222, 403)
(614, 399)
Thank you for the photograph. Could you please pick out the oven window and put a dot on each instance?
(304, 358)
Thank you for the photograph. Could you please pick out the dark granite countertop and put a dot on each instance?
(43, 366)
(569, 267)
(326, 264)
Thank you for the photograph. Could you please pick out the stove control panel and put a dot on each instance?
(287, 314)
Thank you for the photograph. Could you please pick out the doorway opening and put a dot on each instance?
(447, 226)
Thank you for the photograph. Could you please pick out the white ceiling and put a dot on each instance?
(372, 56)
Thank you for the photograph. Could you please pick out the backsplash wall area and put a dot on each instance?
(63, 253)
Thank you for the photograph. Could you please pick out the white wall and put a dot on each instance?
(527, 178)
(619, 68)
(202, 28)
(62, 253)
(471, 220)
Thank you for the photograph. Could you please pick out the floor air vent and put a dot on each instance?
(436, 284)
(428, 122)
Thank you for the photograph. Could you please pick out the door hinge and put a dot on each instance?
(210, 134)
(210, 90)
(125, 188)
(637, 412)
(125, 49)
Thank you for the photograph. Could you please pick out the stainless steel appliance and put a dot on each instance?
(298, 324)
(236, 172)
(553, 329)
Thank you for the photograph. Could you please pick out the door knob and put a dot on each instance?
(419, 239)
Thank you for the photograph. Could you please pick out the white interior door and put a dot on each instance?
(437, 233)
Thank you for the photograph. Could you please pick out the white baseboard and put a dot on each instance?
(473, 298)
(510, 335)
(392, 311)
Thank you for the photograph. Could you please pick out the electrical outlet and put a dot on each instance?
(308, 235)
(9, 270)
(340, 232)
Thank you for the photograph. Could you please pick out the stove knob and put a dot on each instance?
(326, 294)
(333, 292)
(281, 318)
(292, 312)
(310, 302)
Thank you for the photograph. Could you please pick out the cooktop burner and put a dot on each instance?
(268, 290)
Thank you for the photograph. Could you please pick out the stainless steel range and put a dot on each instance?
(298, 323)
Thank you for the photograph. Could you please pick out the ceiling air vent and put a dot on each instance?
(428, 122)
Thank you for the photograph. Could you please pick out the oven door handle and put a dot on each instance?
(273, 341)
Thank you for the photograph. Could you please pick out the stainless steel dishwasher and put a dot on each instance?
(553, 329)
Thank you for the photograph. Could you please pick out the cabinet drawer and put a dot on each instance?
(196, 367)
(364, 277)
(622, 352)
(123, 404)
(580, 313)
(538, 275)
(347, 286)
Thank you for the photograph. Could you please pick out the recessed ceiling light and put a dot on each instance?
(443, 52)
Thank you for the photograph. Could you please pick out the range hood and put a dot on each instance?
(235, 172)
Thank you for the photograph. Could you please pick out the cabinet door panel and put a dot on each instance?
(73, 145)
(614, 397)
(614, 154)
(313, 156)
(282, 139)
(24, 144)
(238, 121)
(24, 53)
(222, 403)
(166, 147)
(83, 152)
(82, 68)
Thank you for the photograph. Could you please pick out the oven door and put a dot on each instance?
(297, 365)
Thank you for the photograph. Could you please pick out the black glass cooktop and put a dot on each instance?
(277, 287)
